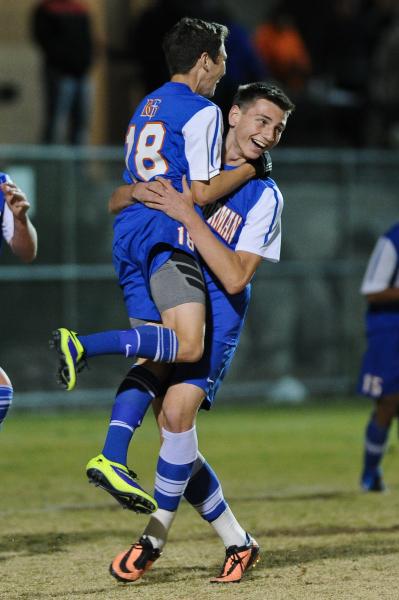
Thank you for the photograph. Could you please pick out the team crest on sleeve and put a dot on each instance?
(151, 107)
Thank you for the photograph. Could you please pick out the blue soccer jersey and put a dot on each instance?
(250, 220)
(379, 374)
(6, 217)
(173, 132)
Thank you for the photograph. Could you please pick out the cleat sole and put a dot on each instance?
(128, 500)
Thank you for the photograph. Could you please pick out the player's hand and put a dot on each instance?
(177, 205)
(16, 201)
(262, 165)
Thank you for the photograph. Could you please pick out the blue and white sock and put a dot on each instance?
(132, 400)
(204, 493)
(158, 343)
(374, 447)
(176, 459)
(6, 394)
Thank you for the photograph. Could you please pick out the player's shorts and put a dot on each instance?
(209, 372)
(144, 241)
(379, 374)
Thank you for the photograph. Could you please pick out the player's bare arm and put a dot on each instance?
(233, 269)
(207, 192)
(24, 240)
(127, 195)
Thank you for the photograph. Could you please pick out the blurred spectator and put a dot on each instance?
(283, 50)
(383, 119)
(62, 30)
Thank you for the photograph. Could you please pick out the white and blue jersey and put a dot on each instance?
(379, 374)
(249, 220)
(6, 216)
(173, 132)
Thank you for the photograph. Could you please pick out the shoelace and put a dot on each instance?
(236, 560)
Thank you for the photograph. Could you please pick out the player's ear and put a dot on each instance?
(204, 61)
(234, 115)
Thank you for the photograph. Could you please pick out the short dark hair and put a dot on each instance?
(188, 39)
(250, 92)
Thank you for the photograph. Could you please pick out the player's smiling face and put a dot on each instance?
(256, 127)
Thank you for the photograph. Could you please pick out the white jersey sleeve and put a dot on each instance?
(7, 224)
(203, 143)
(261, 233)
(381, 267)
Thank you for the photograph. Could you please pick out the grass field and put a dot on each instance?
(290, 474)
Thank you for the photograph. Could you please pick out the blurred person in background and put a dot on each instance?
(379, 377)
(282, 48)
(383, 119)
(62, 31)
(19, 233)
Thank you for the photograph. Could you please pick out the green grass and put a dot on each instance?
(290, 475)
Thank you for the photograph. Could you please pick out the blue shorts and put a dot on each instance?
(144, 240)
(379, 374)
(209, 372)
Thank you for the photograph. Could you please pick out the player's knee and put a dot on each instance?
(190, 352)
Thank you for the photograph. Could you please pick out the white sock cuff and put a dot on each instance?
(179, 448)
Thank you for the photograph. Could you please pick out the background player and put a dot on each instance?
(18, 231)
(379, 377)
(242, 230)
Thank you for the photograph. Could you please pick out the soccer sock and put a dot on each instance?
(176, 458)
(6, 393)
(158, 527)
(132, 400)
(204, 493)
(147, 341)
(374, 447)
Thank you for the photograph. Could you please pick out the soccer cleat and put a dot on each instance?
(118, 480)
(71, 356)
(373, 482)
(133, 563)
(237, 562)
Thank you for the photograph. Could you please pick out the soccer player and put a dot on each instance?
(175, 131)
(241, 231)
(17, 230)
(379, 377)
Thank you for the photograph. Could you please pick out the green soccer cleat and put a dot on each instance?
(119, 481)
(71, 356)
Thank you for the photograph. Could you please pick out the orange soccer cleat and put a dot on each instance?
(237, 562)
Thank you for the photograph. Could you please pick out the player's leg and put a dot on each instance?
(379, 380)
(376, 436)
(6, 394)
(204, 492)
(109, 470)
(178, 290)
(176, 459)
